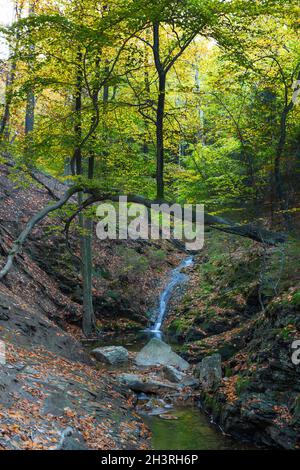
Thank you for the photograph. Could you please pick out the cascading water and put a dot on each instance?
(185, 428)
(177, 277)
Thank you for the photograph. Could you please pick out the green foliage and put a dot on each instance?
(241, 385)
(179, 326)
(296, 299)
(156, 256)
(224, 95)
(131, 261)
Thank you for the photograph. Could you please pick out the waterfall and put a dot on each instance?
(176, 278)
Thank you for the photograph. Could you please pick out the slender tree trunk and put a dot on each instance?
(105, 134)
(88, 317)
(160, 158)
(30, 110)
(162, 67)
(278, 156)
(160, 113)
(106, 91)
(10, 79)
(30, 101)
(145, 147)
(289, 105)
(89, 321)
(4, 128)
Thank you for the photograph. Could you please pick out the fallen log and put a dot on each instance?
(250, 231)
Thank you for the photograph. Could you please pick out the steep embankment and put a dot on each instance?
(243, 302)
(52, 394)
(127, 274)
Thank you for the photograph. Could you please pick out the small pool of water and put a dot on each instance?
(186, 428)
(190, 430)
(134, 342)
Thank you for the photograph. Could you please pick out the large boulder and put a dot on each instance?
(112, 355)
(172, 374)
(156, 352)
(140, 383)
(210, 371)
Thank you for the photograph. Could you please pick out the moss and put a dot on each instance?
(179, 325)
(241, 385)
(286, 332)
(157, 256)
(212, 404)
(112, 294)
(227, 351)
(131, 261)
(101, 273)
(296, 299)
(228, 372)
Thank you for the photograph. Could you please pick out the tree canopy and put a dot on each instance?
(187, 100)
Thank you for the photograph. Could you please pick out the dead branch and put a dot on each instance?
(35, 220)
(250, 231)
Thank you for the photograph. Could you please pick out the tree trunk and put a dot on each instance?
(4, 128)
(160, 136)
(159, 113)
(88, 321)
(278, 156)
(30, 109)
(88, 317)
(10, 79)
(30, 101)
(145, 147)
(280, 147)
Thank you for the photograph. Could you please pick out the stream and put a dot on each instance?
(184, 427)
(177, 277)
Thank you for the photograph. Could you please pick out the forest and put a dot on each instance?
(134, 342)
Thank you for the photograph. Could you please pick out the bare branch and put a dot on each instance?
(248, 231)
(36, 219)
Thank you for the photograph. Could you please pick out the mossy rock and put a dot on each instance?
(179, 326)
(227, 351)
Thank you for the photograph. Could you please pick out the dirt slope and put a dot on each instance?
(52, 394)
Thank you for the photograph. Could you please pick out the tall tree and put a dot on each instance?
(30, 100)
(10, 75)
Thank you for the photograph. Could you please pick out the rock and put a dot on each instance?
(210, 371)
(31, 370)
(71, 440)
(3, 315)
(172, 374)
(189, 381)
(168, 417)
(157, 412)
(139, 383)
(156, 352)
(111, 355)
(56, 403)
(142, 398)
